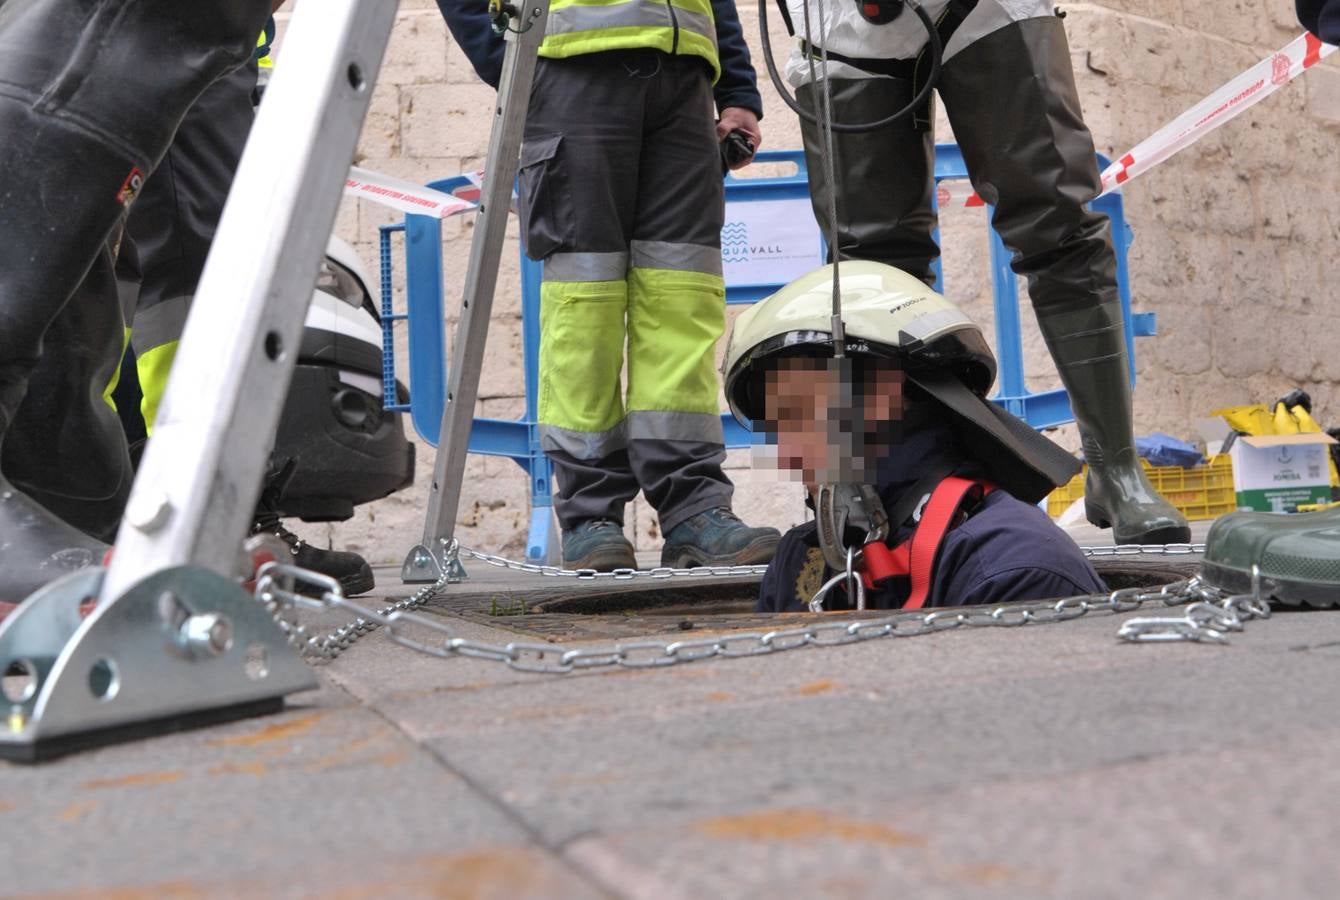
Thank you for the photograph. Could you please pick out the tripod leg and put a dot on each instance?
(197, 486)
(428, 561)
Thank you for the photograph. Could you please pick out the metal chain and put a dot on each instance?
(276, 588)
(1209, 615)
(334, 641)
(1204, 621)
(503, 562)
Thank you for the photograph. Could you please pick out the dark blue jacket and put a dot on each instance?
(1321, 17)
(468, 21)
(1006, 550)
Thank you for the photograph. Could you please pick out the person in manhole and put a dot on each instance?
(902, 410)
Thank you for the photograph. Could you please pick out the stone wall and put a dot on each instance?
(1234, 249)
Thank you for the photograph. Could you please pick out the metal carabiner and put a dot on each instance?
(855, 585)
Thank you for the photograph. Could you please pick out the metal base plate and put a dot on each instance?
(181, 647)
(51, 748)
(426, 565)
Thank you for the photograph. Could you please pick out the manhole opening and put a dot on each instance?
(561, 611)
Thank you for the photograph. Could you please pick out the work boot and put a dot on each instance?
(1297, 555)
(597, 544)
(718, 538)
(1038, 183)
(885, 210)
(349, 569)
(1089, 347)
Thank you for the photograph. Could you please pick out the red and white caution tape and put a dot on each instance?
(405, 196)
(473, 190)
(957, 193)
(1242, 93)
(409, 197)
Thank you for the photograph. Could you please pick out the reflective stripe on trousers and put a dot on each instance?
(671, 319)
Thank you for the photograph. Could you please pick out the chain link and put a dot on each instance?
(276, 587)
(503, 562)
(1205, 620)
(1207, 616)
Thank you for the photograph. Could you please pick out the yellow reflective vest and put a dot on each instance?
(683, 27)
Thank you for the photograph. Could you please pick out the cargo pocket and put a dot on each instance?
(544, 197)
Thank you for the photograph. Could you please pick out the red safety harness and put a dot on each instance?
(915, 557)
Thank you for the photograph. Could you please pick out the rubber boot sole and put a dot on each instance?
(1167, 534)
(351, 585)
(756, 553)
(359, 582)
(1299, 569)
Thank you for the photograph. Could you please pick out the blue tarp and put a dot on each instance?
(1165, 450)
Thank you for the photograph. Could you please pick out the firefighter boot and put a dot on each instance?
(43, 259)
(35, 546)
(1089, 347)
(84, 120)
(1296, 556)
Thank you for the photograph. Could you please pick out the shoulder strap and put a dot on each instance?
(935, 523)
(916, 557)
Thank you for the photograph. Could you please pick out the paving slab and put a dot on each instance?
(1043, 761)
(327, 796)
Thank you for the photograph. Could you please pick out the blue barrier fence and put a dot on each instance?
(770, 238)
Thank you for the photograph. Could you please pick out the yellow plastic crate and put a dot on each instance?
(1200, 492)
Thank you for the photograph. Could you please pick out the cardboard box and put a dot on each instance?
(1276, 472)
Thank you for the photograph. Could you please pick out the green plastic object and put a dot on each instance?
(1297, 556)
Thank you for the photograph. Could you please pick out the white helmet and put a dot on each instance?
(889, 314)
(885, 313)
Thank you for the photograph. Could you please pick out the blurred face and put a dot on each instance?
(813, 418)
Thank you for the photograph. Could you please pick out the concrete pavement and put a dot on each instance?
(1048, 761)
